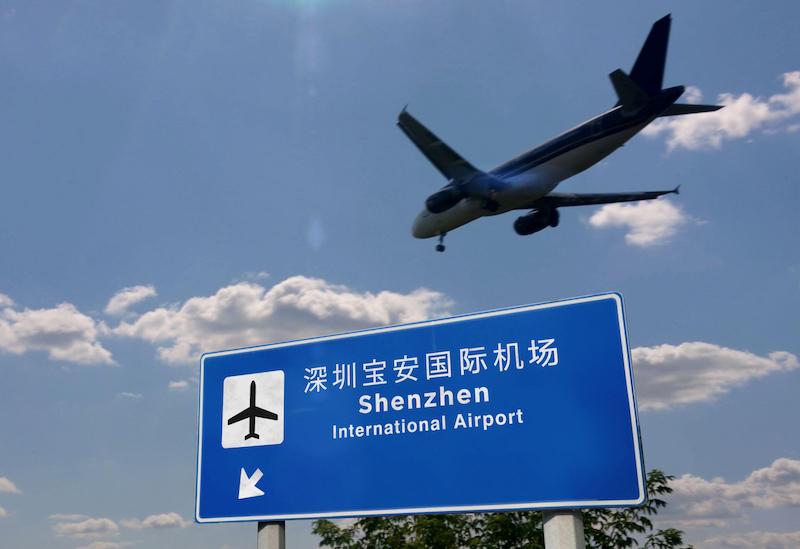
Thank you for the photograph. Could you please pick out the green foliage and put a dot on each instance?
(604, 528)
(625, 527)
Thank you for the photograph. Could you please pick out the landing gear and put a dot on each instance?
(440, 245)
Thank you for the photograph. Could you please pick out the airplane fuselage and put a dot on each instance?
(519, 182)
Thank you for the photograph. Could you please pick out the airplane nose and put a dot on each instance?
(416, 230)
(420, 228)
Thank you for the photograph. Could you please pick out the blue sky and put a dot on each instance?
(237, 168)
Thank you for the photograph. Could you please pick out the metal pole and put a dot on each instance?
(272, 535)
(563, 529)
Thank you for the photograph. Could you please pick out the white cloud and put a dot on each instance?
(125, 298)
(87, 528)
(702, 503)
(161, 521)
(247, 313)
(648, 222)
(673, 375)
(693, 95)
(8, 487)
(256, 275)
(106, 545)
(3, 513)
(6, 301)
(129, 396)
(742, 115)
(60, 517)
(181, 385)
(755, 540)
(63, 332)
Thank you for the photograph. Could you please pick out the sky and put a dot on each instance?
(182, 177)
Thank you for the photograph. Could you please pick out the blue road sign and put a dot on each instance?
(523, 408)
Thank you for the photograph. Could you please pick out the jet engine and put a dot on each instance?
(443, 200)
(536, 221)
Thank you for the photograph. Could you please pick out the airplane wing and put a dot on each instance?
(244, 414)
(446, 160)
(252, 411)
(561, 200)
(260, 412)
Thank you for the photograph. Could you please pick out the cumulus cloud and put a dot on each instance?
(674, 375)
(700, 502)
(63, 332)
(181, 385)
(247, 313)
(127, 297)
(743, 115)
(755, 540)
(87, 528)
(8, 487)
(648, 222)
(161, 521)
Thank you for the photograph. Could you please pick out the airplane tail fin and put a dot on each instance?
(648, 70)
(647, 75)
(250, 435)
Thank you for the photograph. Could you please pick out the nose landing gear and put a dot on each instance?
(440, 245)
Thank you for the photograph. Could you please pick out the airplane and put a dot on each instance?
(527, 181)
(251, 413)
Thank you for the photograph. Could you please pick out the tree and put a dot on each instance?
(605, 528)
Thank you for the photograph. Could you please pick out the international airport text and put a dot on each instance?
(466, 420)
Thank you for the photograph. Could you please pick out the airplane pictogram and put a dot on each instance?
(251, 413)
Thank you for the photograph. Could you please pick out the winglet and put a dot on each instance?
(676, 190)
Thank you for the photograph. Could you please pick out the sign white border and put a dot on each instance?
(453, 509)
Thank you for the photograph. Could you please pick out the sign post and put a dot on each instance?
(272, 535)
(563, 529)
(522, 408)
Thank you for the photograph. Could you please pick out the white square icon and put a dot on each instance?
(252, 410)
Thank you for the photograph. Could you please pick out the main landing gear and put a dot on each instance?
(440, 245)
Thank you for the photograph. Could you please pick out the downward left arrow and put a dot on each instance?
(247, 484)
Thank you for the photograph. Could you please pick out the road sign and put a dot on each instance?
(523, 408)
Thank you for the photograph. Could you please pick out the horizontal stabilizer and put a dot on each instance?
(681, 108)
(629, 92)
(451, 164)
